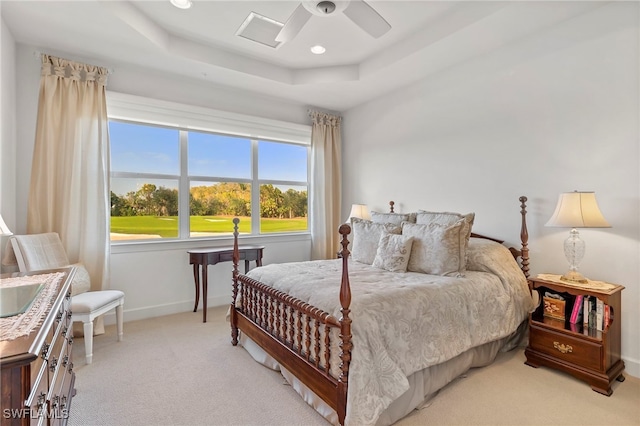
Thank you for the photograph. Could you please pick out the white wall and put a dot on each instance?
(554, 112)
(157, 279)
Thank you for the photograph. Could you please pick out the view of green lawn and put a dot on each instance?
(167, 226)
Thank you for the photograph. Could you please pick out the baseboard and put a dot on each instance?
(162, 310)
(632, 367)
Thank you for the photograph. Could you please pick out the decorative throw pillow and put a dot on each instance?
(81, 281)
(393, 252)
(395, 218)
(366, 236)
(445, 218)
(437, 249)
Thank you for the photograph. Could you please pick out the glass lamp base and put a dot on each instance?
(574, 251)
(574, 277)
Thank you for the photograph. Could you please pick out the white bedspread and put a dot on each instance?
(404, 322)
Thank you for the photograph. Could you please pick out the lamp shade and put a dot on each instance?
(361, 211)
(4, 229)
(577, 210)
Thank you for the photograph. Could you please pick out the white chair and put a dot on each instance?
(88, 306)
(45, 251)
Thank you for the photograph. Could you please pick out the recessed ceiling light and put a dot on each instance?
(318, 50)
(181, 4)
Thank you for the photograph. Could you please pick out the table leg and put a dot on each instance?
(204, 292)
(196, 279)
(246, 266)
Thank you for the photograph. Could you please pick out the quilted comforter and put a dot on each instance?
(405, 322)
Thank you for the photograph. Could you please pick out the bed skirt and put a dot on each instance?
(424, 384)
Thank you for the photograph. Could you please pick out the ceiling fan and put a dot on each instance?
(359, 11)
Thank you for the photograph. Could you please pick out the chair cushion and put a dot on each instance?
(92, 300)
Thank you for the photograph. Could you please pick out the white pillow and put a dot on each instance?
(395, 218)
(81, 281)
(366, 236)
(445, 218)
(438, 249)
(393, 252)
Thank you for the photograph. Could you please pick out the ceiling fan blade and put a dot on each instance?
(294, 24)
(367, 18)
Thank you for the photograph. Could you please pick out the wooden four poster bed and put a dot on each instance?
(305, 331)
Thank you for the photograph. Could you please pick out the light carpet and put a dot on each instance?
(176, 370)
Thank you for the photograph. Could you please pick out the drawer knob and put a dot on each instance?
(41, 400)
(562, 347)
(45, 350)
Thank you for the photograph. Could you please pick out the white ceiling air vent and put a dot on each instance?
(260, 29)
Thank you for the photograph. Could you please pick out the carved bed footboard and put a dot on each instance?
(297, 335)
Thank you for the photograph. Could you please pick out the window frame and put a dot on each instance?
(139, 110)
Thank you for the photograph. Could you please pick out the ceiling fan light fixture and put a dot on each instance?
(327, 7)
(182, 4)
(318, 50)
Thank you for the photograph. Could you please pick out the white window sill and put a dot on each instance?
(213, 242)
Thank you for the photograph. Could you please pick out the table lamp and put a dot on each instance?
(576, 210)
(361, 211)
(4, 229)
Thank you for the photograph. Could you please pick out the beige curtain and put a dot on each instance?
(69, 191)
(326, 184)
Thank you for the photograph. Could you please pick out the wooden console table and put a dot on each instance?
(211, 256)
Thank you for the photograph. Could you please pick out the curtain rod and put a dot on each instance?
(38, 54)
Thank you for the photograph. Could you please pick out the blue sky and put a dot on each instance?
(150, 149)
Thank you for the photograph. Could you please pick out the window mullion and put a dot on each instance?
(184, 214)
(255, 189)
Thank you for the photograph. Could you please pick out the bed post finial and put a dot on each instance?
(345, 327)
(524, 237)
(391, 203)
(234, 296)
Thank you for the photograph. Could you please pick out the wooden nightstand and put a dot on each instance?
(586, 353)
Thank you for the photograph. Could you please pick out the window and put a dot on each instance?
(189, 180)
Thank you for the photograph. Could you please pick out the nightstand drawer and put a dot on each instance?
(567, 348)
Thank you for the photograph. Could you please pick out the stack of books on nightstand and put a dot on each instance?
(596, 314)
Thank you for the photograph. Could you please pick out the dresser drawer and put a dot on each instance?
(60, 398)
(36, 403)
(36, 369)
(567, 348)
(39, 381)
